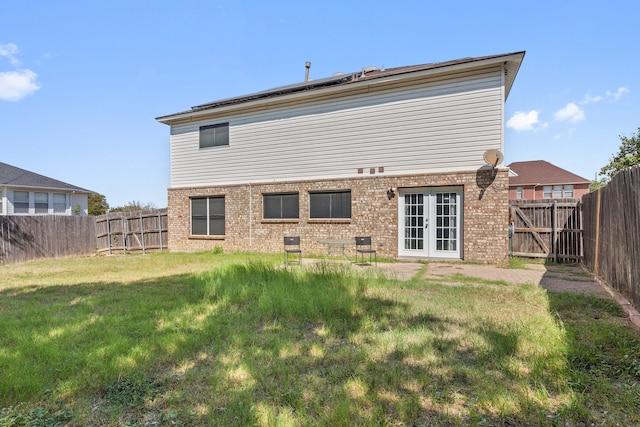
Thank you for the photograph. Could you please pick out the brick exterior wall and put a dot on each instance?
(484, 223)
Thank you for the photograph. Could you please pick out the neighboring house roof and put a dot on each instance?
(511, 61)
(541, 172)
(11, 176)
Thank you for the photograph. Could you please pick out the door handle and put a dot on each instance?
(426, 222)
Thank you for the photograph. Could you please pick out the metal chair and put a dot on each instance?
(292, 246)
(363, 247)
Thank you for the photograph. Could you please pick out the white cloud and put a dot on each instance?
(617, 94)
(18, 83)
(571, 112)
(15, 85)
(588, 99)
(523, 121)
(9, 51)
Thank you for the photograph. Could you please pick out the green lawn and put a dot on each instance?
(232, 339)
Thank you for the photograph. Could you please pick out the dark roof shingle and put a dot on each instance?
(512, 63)
(12, 176)
(540, 172)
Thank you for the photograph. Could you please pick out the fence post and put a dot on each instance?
(596, 262)
(554, 228)
(2, 255)
(142, 233)
(108, 234)
(160, 229)
(124, 235)
(581, 236)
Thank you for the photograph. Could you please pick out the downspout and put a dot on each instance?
(502, 103)
(250, 216)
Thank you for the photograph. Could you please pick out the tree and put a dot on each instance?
(134, 206)
(629, 155)
(597, 184)
(97, 204)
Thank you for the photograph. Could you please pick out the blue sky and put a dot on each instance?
(81, 82)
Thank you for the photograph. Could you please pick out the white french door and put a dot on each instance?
(429, 222)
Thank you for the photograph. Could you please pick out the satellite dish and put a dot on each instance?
(493, 157)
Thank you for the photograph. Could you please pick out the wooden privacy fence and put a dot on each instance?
(612, 233)
(24, 238)
(123, 232)
(549, 229)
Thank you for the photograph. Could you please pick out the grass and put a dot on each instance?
(517, 263)
(232, 339)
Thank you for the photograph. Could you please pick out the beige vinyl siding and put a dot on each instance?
(429, 125)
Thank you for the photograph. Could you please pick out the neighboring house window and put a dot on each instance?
(519, 192)
(1, 202)
(214, 135)
(568, 190)
(280, 206)
(59, 203)
(21, 202)
(557, 191)
(207, 216)
(546, 192)
(41, 202)
(334, 204)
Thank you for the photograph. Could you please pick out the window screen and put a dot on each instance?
(207, 216)
(21, 202)
(280, 206)
(214, 135)
(335, 204)
(568, 190)
(41, 202)
(59, 203)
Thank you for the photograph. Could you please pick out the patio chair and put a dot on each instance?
(292, 246)
(364, 247)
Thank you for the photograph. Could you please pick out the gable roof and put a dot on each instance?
(11, 176)
(511, 62)
(540, 172)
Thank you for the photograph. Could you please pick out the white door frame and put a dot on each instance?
(430, 222)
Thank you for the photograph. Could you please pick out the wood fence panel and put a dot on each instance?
(24, 238)
(546, 229)
(612, 235)
(122, 232)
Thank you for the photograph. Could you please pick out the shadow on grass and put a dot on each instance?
(253, 345)
(603, 353)
(234, 331)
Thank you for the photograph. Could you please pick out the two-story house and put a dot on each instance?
(393, 153)
(28, 193)
(539, 179)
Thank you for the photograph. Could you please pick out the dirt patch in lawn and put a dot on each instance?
(558, 277)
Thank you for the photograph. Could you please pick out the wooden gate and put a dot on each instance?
(549, 229)
(123, 232)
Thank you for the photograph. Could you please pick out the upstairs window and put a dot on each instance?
(519, 192)
(214, 135)
(207, 216)
(330, 205)
(21, 202)
(280, 206)
(41, 203)
(568, 190)
(59, 203)
(558, 191)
